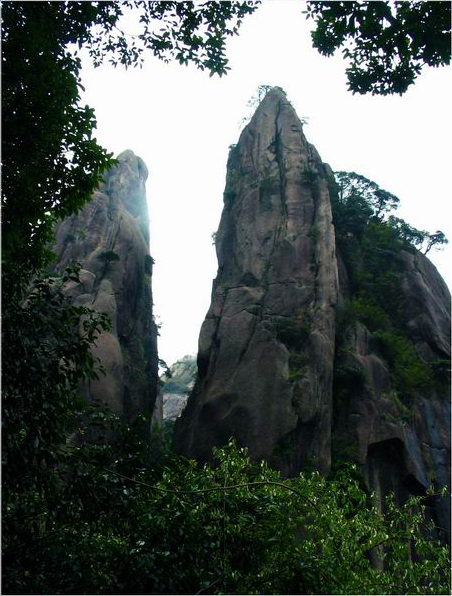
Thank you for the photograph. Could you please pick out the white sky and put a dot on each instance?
(181, 122)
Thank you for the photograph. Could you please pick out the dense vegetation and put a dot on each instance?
(51, 164)
(108, 523)
(88, 505)
(386, 43)
(371, 241)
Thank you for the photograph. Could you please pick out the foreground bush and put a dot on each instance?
(236, 528)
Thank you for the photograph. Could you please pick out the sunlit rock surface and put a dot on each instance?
(110, 238)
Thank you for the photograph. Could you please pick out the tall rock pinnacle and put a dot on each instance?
(266, 347)
(110, 238)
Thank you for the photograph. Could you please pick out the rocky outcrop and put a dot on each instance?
(277, 368)
(110, 238)
(175, 389)
(266, 347)
(402, 447)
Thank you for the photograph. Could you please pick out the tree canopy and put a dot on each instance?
(359, 201)
(371, 242)
(386, 43)
(233, 528)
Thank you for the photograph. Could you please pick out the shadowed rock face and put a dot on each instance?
(110, 238)
(266, 347)
(401, 447)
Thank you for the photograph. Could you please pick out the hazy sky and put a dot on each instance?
(181, 122)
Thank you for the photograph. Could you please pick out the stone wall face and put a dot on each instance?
(110, 238)
(266, 347)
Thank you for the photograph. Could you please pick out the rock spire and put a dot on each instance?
(266, 347)
(110, 238)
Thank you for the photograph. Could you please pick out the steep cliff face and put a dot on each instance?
(110, 238)
(290, 362)
(266, 347)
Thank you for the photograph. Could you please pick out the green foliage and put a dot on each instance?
(175, 386)
(51, 162)
(351, 209)
(259, 95)
(349, 380)
(351, 185)
(181, 376)
(236, 528)
(88, 505)
(297, 367)
(294, 332)
(410, 374)
(108, 256)
(360, 207)
(314, 233)
(437, 239)
(343, 452)
(46, 354)
(407, 233)
(309, 177)
(371, 247)
(229, 196)
(148, 263)
(166, 369)
(367, 310)
(417, 238)
(441, 373)
(386, 44)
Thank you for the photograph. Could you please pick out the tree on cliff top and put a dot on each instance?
(387, 43)
(358, 201)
